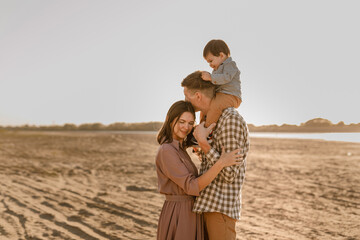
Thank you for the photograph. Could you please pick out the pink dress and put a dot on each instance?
(177, 179)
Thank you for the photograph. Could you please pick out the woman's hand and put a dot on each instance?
(231, 158)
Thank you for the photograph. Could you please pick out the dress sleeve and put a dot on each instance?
(172, 166)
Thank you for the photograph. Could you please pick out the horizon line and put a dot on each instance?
(92, 123)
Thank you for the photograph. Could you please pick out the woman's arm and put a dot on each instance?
(170, 165)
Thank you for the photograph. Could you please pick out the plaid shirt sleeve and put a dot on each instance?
(231, 137)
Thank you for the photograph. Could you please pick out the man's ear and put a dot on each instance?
(198, 96)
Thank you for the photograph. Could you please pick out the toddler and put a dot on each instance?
(226, 77)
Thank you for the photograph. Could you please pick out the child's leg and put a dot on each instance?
(218, 104)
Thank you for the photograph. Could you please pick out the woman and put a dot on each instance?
(178, 177)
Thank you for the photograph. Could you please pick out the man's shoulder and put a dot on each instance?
(231, 116)
(231, 123)
(231, 112)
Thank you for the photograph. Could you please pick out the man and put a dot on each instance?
(220, 201)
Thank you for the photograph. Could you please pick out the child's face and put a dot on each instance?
(215, 61)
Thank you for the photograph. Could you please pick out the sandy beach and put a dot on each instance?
(98, 185)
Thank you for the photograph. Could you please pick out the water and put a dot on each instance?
(344, 137)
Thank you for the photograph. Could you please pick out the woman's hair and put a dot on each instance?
(165, 134)
(215, 47)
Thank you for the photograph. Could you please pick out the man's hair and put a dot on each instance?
(194, 82)
(215, 47)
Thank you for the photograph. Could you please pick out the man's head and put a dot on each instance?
(198, 91)
(216, 52)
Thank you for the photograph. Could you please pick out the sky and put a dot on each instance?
(87, 61)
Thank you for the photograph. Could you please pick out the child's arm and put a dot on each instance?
(230, 70)
(206, 76)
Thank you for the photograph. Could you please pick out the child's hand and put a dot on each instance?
(205, 76)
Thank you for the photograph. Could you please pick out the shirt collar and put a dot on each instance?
(229, 59)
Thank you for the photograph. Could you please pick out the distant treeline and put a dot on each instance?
(119, 126)
(314, 125)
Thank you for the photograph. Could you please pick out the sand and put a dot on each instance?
(96, 185)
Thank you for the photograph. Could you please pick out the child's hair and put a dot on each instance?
(215, 47)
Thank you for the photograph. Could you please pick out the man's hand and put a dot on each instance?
(201, 133)
(205, 76)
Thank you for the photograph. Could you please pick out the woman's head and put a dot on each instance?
(178, 124)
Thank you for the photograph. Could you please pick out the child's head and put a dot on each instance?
(216, 52)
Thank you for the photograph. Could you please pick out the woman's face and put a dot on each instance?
(183, 126)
